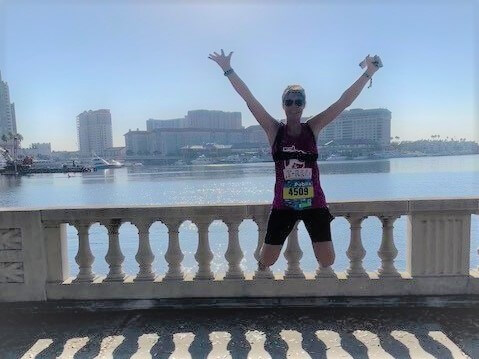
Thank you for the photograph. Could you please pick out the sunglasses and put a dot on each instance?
(297, 102)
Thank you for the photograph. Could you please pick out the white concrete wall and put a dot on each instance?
(22, 256)
(34, 262)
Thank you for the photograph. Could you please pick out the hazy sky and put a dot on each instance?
(149, 59)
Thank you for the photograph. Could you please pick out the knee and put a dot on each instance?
(269, 255)
(327, 261)
(269, 263)
(325, 258)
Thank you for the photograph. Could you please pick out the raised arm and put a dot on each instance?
(318, 122)
(267, 122)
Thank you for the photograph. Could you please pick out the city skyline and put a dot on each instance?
(352, 127)
(8, 124)
(150, 61)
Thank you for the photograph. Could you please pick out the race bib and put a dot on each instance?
(293, 190)
(298, 190)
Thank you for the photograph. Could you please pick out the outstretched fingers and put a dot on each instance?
(220, 59)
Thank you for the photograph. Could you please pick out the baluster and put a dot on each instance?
(84, 257)
(203, 254)
(262, 223)
(144, 256)
(356, 251)
(325, 272)
(173, 255)
(56, 251)
(114, 256)
(388, 251)
(234, 254)
(293, 255)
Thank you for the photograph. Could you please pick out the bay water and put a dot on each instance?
(389, 179)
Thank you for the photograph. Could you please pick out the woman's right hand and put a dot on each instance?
(222, 60)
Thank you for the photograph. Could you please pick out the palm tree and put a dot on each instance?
(4, 139)
(14, 139)
(17, 138)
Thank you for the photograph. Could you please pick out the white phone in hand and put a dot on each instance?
(376, 61)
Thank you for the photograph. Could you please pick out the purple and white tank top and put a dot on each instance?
(297, 174)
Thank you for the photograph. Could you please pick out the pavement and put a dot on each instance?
(35, 331)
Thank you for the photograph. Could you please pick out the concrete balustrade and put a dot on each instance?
(34, 259)
(204, 255)
(356, 251)
(144, 256)
(262, 223)
(114, 256)
(173, 255)
(388, 251)
(293, 255)
(84, 258)
(234, 254)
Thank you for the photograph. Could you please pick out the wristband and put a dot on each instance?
(369, 77)
(228, 72)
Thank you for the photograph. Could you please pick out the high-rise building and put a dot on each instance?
(355, 124)
(200, 119)
(152, 124)
(138, 142)
(7, 110)
(169, 141)
(213, 119)
(167, 137)
(94, 132)
(256, 134)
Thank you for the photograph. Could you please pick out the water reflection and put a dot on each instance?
(248, 170)
(101, 176)
(242, 183)
(7, 182)
(381, 166)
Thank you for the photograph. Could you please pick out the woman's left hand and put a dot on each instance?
(371, 67)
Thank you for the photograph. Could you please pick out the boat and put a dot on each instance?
(363, 157)
(99, 163)
(116, 163)
(335, 157)
(232, 159)
(202, 160)
(254, 159)
(30, 166)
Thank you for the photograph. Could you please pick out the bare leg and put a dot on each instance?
(269, 255)
(324, 252)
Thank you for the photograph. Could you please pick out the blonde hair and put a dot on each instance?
(294, 89)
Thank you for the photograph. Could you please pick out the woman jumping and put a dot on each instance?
(297, 194)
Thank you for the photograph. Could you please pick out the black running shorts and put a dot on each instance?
(281, 222)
